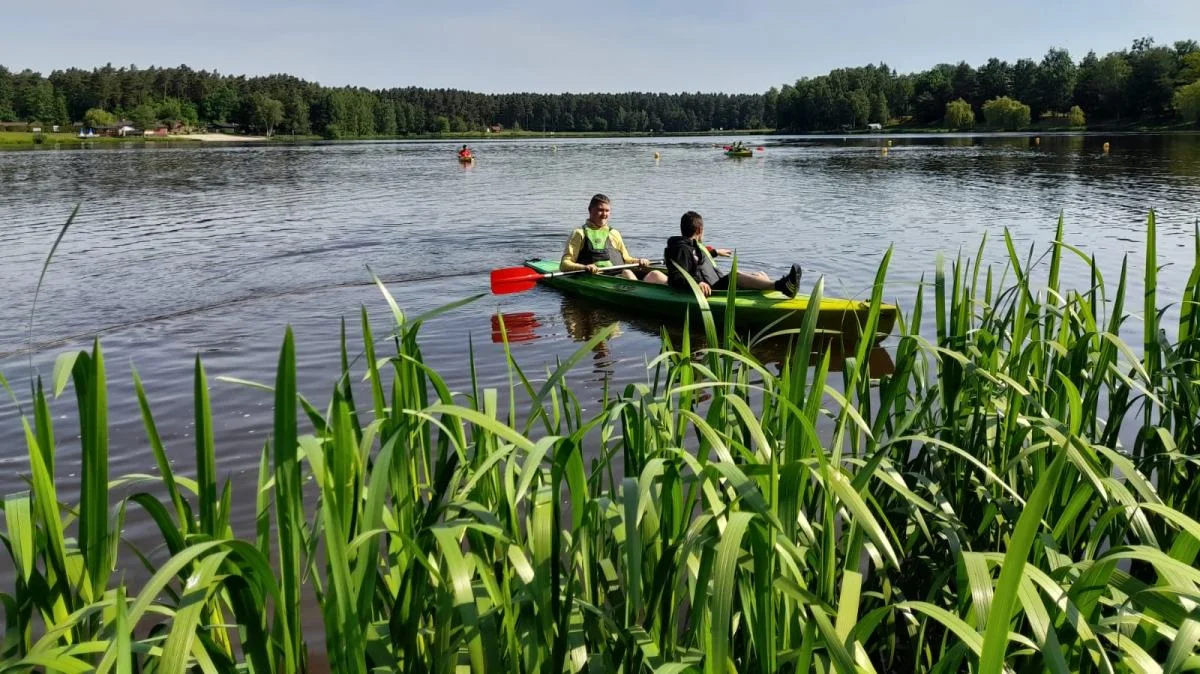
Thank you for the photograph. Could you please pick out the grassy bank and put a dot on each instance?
(1040, 126)
(1018, 495)
(23, 138)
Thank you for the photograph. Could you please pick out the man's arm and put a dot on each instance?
(615, 237)
(571, 253)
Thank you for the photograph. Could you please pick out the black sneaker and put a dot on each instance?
(790, 284)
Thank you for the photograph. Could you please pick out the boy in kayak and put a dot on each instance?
(595, 246)
(688, 252)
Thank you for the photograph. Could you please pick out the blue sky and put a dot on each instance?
(546, 46)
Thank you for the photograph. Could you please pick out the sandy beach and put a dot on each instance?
(216, 137)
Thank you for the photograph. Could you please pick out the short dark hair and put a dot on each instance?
(690, 223)
(599, 199)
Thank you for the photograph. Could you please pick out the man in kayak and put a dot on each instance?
(688, 252)
(595, 246)
(464, 153)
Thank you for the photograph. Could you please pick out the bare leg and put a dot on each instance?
(754, 281)
(656, 276)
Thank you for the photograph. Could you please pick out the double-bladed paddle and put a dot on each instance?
(519, 279)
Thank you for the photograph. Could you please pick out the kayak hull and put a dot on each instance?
(754, 308)
(466, 160)
(743, 153)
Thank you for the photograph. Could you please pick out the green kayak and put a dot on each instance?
(755, 308)
(739, 153)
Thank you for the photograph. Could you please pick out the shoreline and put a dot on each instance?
(21, 140)
(216, 138)
(17, 141)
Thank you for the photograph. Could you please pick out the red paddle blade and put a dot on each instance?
(515, 274)
(513, 286)
(513, 280)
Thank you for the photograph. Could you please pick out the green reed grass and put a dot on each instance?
(977, 509)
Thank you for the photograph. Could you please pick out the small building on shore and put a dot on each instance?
(120, 129)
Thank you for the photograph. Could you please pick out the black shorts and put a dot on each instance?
(722, 283)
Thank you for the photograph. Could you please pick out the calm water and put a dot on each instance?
(214, 250)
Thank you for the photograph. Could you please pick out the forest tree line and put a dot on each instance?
(292, 105)
(1146, 81)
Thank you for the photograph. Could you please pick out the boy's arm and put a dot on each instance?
(571, 253)
(678, 255)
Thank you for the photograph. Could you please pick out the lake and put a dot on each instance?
(181, 250)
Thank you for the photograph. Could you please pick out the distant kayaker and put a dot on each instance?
(465, 152)
(595, 246)
(696, 259)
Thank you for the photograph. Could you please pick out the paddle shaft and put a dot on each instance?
(617, 267)
(520, 279)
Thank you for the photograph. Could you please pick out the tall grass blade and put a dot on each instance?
(37, 289)
(92, 396)
(995, 640)
(288, 513)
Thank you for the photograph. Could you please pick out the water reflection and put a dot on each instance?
(583, 320)
(517, 327)
(779, 350)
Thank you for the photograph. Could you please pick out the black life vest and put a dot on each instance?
(706, 269)
(598, 249)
